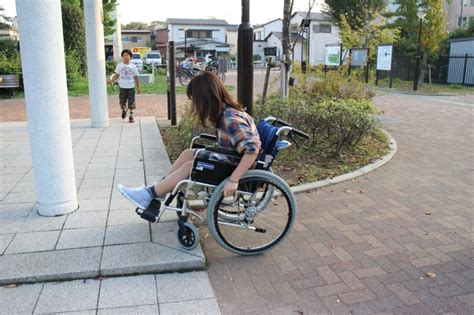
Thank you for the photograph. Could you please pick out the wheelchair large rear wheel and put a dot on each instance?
(257, 218)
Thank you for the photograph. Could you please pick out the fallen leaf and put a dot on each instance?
(348, 191)
(299, 312)
(205, 236)
(421, 278)
(338, 301)
(428, 213)
(361, 191)
(431, 274)
(346, 205)
(11, 286)
(333, 246)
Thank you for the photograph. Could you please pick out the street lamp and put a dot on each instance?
(420, 15)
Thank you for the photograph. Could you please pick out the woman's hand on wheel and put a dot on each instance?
(230, 188)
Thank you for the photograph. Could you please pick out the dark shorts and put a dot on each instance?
(127, 95)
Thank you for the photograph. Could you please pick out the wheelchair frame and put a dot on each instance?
(188, 234)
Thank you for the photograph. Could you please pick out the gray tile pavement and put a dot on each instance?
(103, 237)
(174, 293)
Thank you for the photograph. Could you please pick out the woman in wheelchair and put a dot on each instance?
(236, 131)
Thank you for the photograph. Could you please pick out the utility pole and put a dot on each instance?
(244, 59)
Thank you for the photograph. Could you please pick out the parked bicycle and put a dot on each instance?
(213, 66)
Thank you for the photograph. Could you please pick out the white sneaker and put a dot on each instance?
(139, 196)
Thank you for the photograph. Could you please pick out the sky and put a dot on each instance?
(261, 11)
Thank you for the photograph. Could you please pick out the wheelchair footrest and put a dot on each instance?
(151, 213)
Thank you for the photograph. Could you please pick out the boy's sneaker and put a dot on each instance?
(131, 119)
(139, 196)
(124, 114)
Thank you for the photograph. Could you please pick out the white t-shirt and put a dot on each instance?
(126, 75)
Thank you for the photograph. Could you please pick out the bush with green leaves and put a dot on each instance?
(341, 123)
(73, 67)
(110, 67)
(10, 65)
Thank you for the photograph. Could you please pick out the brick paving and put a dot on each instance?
(370, 251)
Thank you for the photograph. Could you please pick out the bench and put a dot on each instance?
(10, 81)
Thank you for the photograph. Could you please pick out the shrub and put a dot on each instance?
(340, 123)
(73, 67)
(10, 65)
(110, 67)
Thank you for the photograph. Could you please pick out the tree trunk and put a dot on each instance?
(424, 65)
(285, 40)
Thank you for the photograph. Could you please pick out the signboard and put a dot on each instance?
(141, 50)
(270, 51)
(384, 57)
(359, 57)
(333, 55)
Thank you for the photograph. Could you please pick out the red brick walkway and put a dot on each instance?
(147, 105)
(370, 251)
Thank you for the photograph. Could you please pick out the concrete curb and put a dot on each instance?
(351, 175)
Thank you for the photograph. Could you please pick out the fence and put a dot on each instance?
(454, 69)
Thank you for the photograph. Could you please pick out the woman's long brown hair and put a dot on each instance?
(209, 95)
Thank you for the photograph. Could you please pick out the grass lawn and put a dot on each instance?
(158, 87)
(307, 163)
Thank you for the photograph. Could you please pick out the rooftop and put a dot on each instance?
(197, 21)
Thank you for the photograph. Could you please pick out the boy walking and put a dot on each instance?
(127, 75)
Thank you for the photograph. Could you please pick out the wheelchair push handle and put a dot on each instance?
(300, 133)
(292, 130)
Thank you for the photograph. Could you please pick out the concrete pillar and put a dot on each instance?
(44, 77)
(96, 63)
(117, 35)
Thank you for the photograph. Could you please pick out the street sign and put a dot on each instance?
(333, 55)
(384, 57)
(359, 57)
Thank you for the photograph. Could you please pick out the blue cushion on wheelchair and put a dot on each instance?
(267, 134)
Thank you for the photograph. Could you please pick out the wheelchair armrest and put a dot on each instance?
(224, 151)
(207, 136)
(204, 136)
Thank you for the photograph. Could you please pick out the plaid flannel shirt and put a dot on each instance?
(237, 131)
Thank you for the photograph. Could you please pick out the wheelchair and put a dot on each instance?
(258, 217)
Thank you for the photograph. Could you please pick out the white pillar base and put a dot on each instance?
(100, 124)
(58, 209)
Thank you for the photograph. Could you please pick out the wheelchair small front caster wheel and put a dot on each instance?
(188, 236)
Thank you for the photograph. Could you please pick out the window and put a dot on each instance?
(134, 39)
(322, 28)
(198, 34)
(293, 28)
(462, 22)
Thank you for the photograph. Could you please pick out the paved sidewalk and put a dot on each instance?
(373, 245)
(103, 237)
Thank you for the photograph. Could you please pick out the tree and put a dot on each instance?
(370, 36)
(74, 31)
(357, 12)
(136, 26)
(4, 20)
(433, 30)
(285, 38)
(108, 6)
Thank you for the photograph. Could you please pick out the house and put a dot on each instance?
(159, 41)
(10, 31)
(260, 34)
(232, 38)
(273, 40)
(136, 38)
(459, 13)
(322, 32)
(199, 37)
